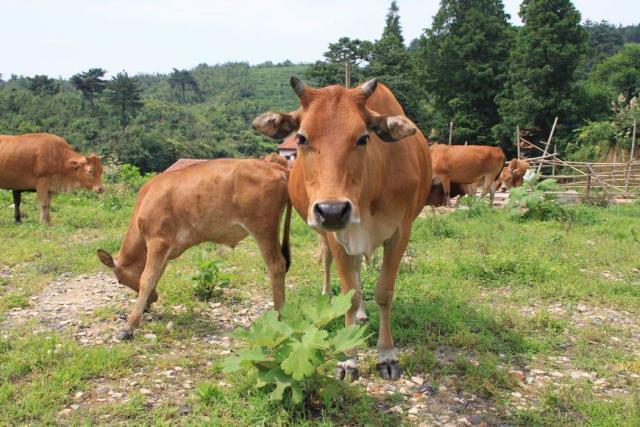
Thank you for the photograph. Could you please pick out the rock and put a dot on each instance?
(396, 409)
(413, 410)
(184, 410)
(464, 421)
(151, 337)
(417, 380)
(65, 411)
(475, 419)
(75, 407)
(169, 326)
(516, 395)
(556, 374)
(78, 395)
(145, 391)
(517, 375)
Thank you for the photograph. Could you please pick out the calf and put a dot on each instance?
(46, 164)
(466, 164)
(513, 174)
(220, 201)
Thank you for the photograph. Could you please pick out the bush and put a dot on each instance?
(533, 201)
(208, 280)
(287, 354)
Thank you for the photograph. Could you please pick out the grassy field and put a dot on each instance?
(525, 322)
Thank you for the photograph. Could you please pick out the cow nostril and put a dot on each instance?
(345, 211)
(317, 209)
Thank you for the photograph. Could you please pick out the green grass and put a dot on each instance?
(479, 283)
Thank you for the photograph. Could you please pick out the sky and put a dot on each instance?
(62, 37)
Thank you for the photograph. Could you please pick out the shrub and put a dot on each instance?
(533, 201)
(208, 280)
(287, 354)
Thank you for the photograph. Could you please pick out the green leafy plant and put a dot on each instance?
(286, 354)
(209, 280)
(536, 200)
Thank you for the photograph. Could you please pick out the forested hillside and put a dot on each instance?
(211, 118)
(471, 66)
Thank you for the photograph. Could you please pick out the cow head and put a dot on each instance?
(87, 171)
(333, 129)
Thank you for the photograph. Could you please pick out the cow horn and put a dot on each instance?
(369, 87)
(297, 85)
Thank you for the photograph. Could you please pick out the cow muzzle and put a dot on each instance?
(332, 215)
(99, 189)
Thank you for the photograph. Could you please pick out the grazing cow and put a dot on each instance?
(354, 185)
(437, 196)
(46, 164)
(220, 201)
(467, 164)
(513, 174)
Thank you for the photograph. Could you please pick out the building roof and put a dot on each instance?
(184, 163)
(289, 143)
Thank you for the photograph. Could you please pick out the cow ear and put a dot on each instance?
(391, 128)
(276, 125)
(106, 258)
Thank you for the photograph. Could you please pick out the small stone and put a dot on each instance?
(169, 326)
(184, 410)
(78, 395)
(151, 337)
(396, 409)
(418, 380)
(556, 374)
(413, 410)
(75, 407)
(65, 411)
(145, 391)
(475, 419)
(464, 421)
(516, 395)
(517, 375)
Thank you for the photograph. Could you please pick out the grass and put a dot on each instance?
(480, 284)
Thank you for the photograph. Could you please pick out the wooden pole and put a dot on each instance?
(589, 184)
(631, 156)
(546, 147)
(465, 143)
(555, 153)
(518, 140)
(615, 159)
(450, 132)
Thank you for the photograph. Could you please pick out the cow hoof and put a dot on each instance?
(125, 336)
(347, 373)
(389, 370)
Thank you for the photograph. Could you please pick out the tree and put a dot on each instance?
(390, 63)
(43, 85)
(604, 40)
(621, 73)
(90, 83)
(124, 95)
(548, 49)
(184, 80)
(461, 60)
(331, 71)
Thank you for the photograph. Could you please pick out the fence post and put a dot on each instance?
(450, 132)
(632, 155)
(518, 140)
(555, 153)
(589, 183)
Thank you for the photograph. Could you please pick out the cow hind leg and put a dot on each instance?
(276, 264)
(446, 188)
(157, 257)
(17, 199)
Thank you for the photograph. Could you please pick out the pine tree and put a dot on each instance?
(548, 50)
(461, 61)
(330, 71)
(43, 85)
(184, 80)
(124, 95)
(390, 63)
(90, 83)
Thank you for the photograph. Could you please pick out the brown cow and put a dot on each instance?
(220, 201)
(352, 183)
(466, 164)
(46, 164)
(513, 174)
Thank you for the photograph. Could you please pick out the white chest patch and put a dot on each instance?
(363, 238)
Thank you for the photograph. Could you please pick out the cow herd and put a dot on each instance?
(363, 173)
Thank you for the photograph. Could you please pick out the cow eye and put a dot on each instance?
(301, 139)
(363, 140)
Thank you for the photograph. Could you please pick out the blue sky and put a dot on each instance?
(62, 37)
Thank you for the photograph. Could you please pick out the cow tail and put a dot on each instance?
(286, 250)
(501, 169)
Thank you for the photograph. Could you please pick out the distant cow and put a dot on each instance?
(221, 201)
(513, 173)
(466, 164)
(437, 196)
(46, 164)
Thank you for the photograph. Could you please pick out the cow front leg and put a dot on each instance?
(17, 198)
(361, 314)
(157, 257)
(327, 260)
(394, 248)
(44, 200)
(347, 267)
